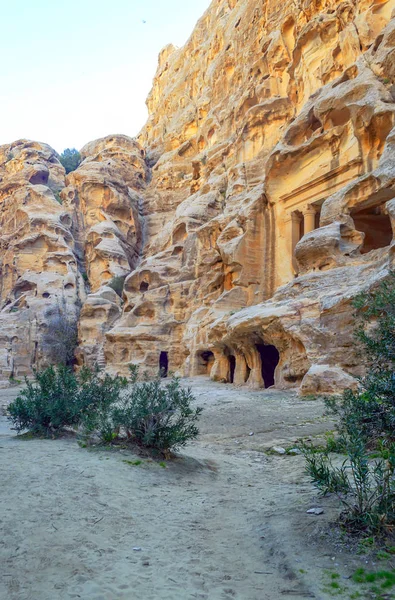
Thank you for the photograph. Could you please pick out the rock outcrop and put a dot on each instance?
(257, 202)
(39, 273)
(270, 134)
(63, 239)
(103, 197)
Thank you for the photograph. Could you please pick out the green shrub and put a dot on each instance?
(117, 283)
(70, 159)
(158, 416)
(152, 415)
(365, 487)
(371, 409)
(59, 398)
(366, 421)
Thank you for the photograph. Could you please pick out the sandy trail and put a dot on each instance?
(223, 521)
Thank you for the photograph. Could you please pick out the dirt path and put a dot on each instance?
(224, 521)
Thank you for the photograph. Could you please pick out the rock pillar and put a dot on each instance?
(293, 221)
(309, 219)
(241, 370)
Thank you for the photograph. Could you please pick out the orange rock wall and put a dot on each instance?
(260, 127)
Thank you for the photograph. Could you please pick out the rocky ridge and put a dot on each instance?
(256, 203)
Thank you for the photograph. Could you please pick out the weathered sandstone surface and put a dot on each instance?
(257, 202)
(62, 239)
(103, 196)
(39, 271)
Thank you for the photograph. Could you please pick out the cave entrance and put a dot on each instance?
(376, 226)
(205, 362)
(269, 361)
(163, 364)
(144, 285)
(232, 368)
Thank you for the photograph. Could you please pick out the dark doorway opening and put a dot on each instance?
(376, 226)
(232, 368)
(269, 360)
(206, 361)
(163, 364)
(144, 285)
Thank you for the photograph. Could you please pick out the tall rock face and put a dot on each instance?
(63, 239)
(38, 269)
(103, 197)
(270, 138)
(257, 202)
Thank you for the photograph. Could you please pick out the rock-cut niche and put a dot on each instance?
(376, 225)
(163, 364)
(205, 362)
(269, 361)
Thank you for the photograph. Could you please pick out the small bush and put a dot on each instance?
(365, 482)
(366, 488)
(99, 394)
(152, 415)
(371, 409)
(117, 283)
(70, 159)
(158, 416)
(59, 398)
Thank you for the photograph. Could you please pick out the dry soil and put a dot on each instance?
(225, 520)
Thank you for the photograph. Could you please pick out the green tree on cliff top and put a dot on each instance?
(70, 159)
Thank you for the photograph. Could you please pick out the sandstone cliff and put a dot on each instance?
(62, 239)
(258, 200)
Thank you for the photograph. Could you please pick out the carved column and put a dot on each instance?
(255, 380)
(293, 221)
(309, 219)
(220, 369)
(241, 370)
(296, 220)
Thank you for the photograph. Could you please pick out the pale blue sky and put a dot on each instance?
(75, 70)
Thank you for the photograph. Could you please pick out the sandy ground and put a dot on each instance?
(223, 521)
